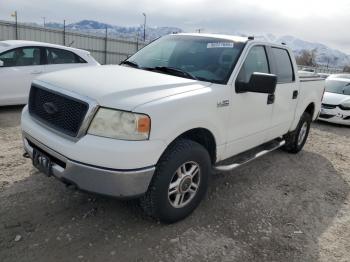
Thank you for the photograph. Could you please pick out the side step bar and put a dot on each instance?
(245, 157)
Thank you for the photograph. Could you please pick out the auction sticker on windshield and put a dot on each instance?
(220, 45)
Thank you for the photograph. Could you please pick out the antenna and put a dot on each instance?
(251, 37)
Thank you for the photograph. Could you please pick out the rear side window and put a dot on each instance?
(284, 68)
(60, 56)
(26, 56)
(256, 62)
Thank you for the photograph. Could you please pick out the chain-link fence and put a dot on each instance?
(320, 69)
(105, 49)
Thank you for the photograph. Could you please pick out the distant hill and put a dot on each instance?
(324, 54)
(90, 26)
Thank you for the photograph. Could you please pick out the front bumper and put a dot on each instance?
(335, 115)
(106, 181)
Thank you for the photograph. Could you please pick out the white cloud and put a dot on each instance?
(313, 20)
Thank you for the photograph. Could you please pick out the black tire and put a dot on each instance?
(156, 202)
(293, 145)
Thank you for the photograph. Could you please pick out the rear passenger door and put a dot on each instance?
(287, 91)
(21, 66)
(59, 59)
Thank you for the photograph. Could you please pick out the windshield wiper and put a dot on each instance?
(130, 63)
(166, 69)
(171, 70)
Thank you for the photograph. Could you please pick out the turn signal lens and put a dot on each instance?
(144, 124)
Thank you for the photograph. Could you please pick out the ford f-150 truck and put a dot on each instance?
(158, 124)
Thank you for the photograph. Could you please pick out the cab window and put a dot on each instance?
(284, 68)
(256, 62)
(26, 56)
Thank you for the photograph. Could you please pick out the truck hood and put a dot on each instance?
(334, 99)
(119, 87)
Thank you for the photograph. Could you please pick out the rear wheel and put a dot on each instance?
(179, 183)
(296, 140)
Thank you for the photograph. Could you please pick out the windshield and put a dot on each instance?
(203, 58)
(338, 87)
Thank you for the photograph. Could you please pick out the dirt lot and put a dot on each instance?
(281, 207)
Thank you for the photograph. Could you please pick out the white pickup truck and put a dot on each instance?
(156, 126)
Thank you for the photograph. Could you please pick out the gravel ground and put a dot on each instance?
(280, 207)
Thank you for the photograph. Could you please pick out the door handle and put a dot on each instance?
(37, 72)
(271, 99)
(295, 94)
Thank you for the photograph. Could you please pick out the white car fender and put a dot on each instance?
(174, 119)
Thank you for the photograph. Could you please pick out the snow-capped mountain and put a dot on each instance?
(324, 55)
(90, 26)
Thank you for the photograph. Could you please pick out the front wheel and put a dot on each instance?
(179, 183)
(296, 140)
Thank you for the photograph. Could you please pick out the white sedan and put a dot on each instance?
(21, 61)
(336, 100)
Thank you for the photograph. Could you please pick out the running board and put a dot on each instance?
(245, 157)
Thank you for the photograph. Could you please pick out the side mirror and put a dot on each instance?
(1, 63)
(258, 83)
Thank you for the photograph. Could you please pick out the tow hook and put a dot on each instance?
(26, 155)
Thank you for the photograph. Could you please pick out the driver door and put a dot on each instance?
(251, 113)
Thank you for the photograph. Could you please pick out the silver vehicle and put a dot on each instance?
(336, 100)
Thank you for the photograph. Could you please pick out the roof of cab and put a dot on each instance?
(241, 39)
(224, 37)
(19, 43)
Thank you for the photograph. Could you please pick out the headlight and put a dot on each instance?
(345, 105)
(120, 125)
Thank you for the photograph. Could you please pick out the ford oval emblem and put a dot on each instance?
(50, 108)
